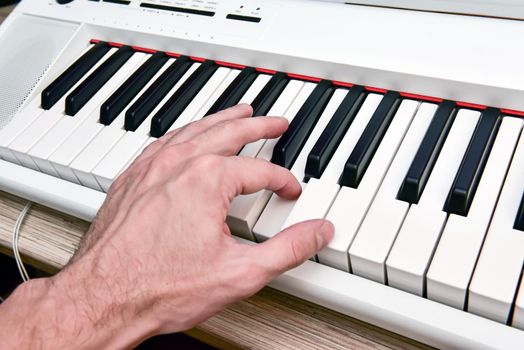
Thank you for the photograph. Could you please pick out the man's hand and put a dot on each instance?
(159, 257)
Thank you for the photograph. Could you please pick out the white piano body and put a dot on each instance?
(476, 59)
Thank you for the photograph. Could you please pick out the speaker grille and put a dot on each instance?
(28, 47)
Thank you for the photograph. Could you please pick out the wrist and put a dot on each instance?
(61, 312)
(100, 315)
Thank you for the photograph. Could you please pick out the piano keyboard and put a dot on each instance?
(426, 195)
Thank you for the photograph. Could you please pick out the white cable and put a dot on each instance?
(16, 236)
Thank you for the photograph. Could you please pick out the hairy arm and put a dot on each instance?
(159, 257)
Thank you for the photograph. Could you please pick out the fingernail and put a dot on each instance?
(325, 234)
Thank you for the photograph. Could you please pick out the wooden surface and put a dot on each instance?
(268, 320)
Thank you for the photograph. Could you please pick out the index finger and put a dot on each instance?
(227, 138)
(250, 175)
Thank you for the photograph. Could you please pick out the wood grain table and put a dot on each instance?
(268, 320)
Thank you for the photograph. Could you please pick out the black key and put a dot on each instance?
(332, 135)
(288, 146)
(468, 177)
(519, 222)
(235, 90)
(176, 104)
(368, 143)
(90, 86)
(269, 94)
(428, 152)
(145, 104)
(116, 103)
(58, 88)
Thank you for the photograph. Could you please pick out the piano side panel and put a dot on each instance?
(29, 47)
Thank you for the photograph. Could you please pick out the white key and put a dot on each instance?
(119, 121)
(87, 160)
(71, 147)
(255, 88)
(496, 277)
(190, 113)
(66, 125)
(252, 149)
(145, 126)
(409, 258)
(112, 164)
(350, 206)
(303, 209)
(217, 93)
(273, 216)
(118, 157)
(78, 140)
(518, 315)
(205, 108)
(21, 120)
(378, 231)
(273, 222)
(149, 141)
(281, 105)
(245, 210)
(266, 152)
(131, 141)
(26, 117)
(30, 135)
(456, 254)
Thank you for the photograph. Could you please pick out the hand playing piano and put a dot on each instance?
(159, 257)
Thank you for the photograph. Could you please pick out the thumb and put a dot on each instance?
(293, 246)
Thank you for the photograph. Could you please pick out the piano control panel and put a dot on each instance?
(191, 19)
(235, 10)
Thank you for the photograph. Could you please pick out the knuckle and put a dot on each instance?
(199, 167)
(165, 160)
(169, 135)
(220, 128)
(206, 163)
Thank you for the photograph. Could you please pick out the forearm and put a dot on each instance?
(60, 313)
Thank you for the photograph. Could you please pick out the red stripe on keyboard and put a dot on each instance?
(303, 77)
(512, 111)
(471, 105)
(173, 54)
(341, 83)
(268, 71)
(143, 49)
(316, 80)
(231, 65)
(421, 97)
(198, 59)
(374, 89)
(115, 44)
